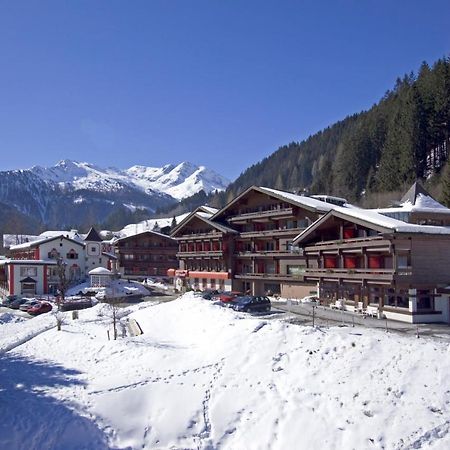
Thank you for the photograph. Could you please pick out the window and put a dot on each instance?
(53, 254)
(295, 270)
(397, 299)
(403, 261)
(72, 254)
(425, 301)
(28, 272)
(128, 256)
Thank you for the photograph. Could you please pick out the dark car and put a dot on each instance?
(42, 307)
(210, 295)
(73, 305)
(250, 303)
(15, 304)
(6, 301)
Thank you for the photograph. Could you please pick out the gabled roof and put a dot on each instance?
(149, 232)
(28, 280)
(205, 211)
(413, 192)
(207, 220)
(373, 220)
(93, 236)
(416, 200)
(43, 241)
(308, 203)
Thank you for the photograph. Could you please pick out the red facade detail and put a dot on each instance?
(11, 279)
(45, 281)
(330, 262)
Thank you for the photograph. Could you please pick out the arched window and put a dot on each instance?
(72, 254)
(53, 254)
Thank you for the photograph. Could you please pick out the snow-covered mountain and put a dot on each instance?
(74, 193)
(178, 181)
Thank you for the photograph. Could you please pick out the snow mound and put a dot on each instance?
(207, 377)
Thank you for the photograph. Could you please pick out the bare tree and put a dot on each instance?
(63, 284)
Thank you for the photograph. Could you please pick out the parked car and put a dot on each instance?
(310, 299)
(42, 307)
(28, 304)
(228, 296)
(6, 301)
(15, 304)
(210, 295)
(75, 304)
(250, 303)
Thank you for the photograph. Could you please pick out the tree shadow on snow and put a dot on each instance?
(30, 419)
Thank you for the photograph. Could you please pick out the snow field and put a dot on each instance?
(207, 377)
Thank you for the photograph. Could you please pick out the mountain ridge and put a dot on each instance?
(81, 193)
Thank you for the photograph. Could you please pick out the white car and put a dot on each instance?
(310, 299)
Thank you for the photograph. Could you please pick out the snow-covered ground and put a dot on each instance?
(118, 288)
(207, 377)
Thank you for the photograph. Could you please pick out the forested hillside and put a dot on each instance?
(403, 137)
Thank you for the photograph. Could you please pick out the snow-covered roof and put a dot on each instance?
(28, 261)
(72, 234)
(100, 271)
(301, 200)
(205, 218)
(38, 242)
(423, 203)
(377, 220)
(208, 209)
(156, 233)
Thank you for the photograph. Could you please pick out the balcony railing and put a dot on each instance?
(269, 276)
(377, 242)
(258, 214)
(210, 254)
(270, 233)
(359, 273)
(271, 253)
(210, 234)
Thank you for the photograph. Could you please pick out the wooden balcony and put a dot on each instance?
(381, 275)
(282, 232)
(269, 276)
(268, 254)
(200, 254)
(354, 245)
(196, 236)
(278, 213)
(148, 250)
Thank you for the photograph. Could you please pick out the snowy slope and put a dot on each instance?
(206, 377)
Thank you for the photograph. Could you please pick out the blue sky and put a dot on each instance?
(218, 83)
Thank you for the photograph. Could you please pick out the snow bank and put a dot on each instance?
(203, 377)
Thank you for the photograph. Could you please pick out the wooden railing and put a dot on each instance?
(258, 214)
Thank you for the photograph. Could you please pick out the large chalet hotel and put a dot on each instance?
(266, 241)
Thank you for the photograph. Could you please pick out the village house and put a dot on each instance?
(368, 260)
(33, 268)
(147, 254)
